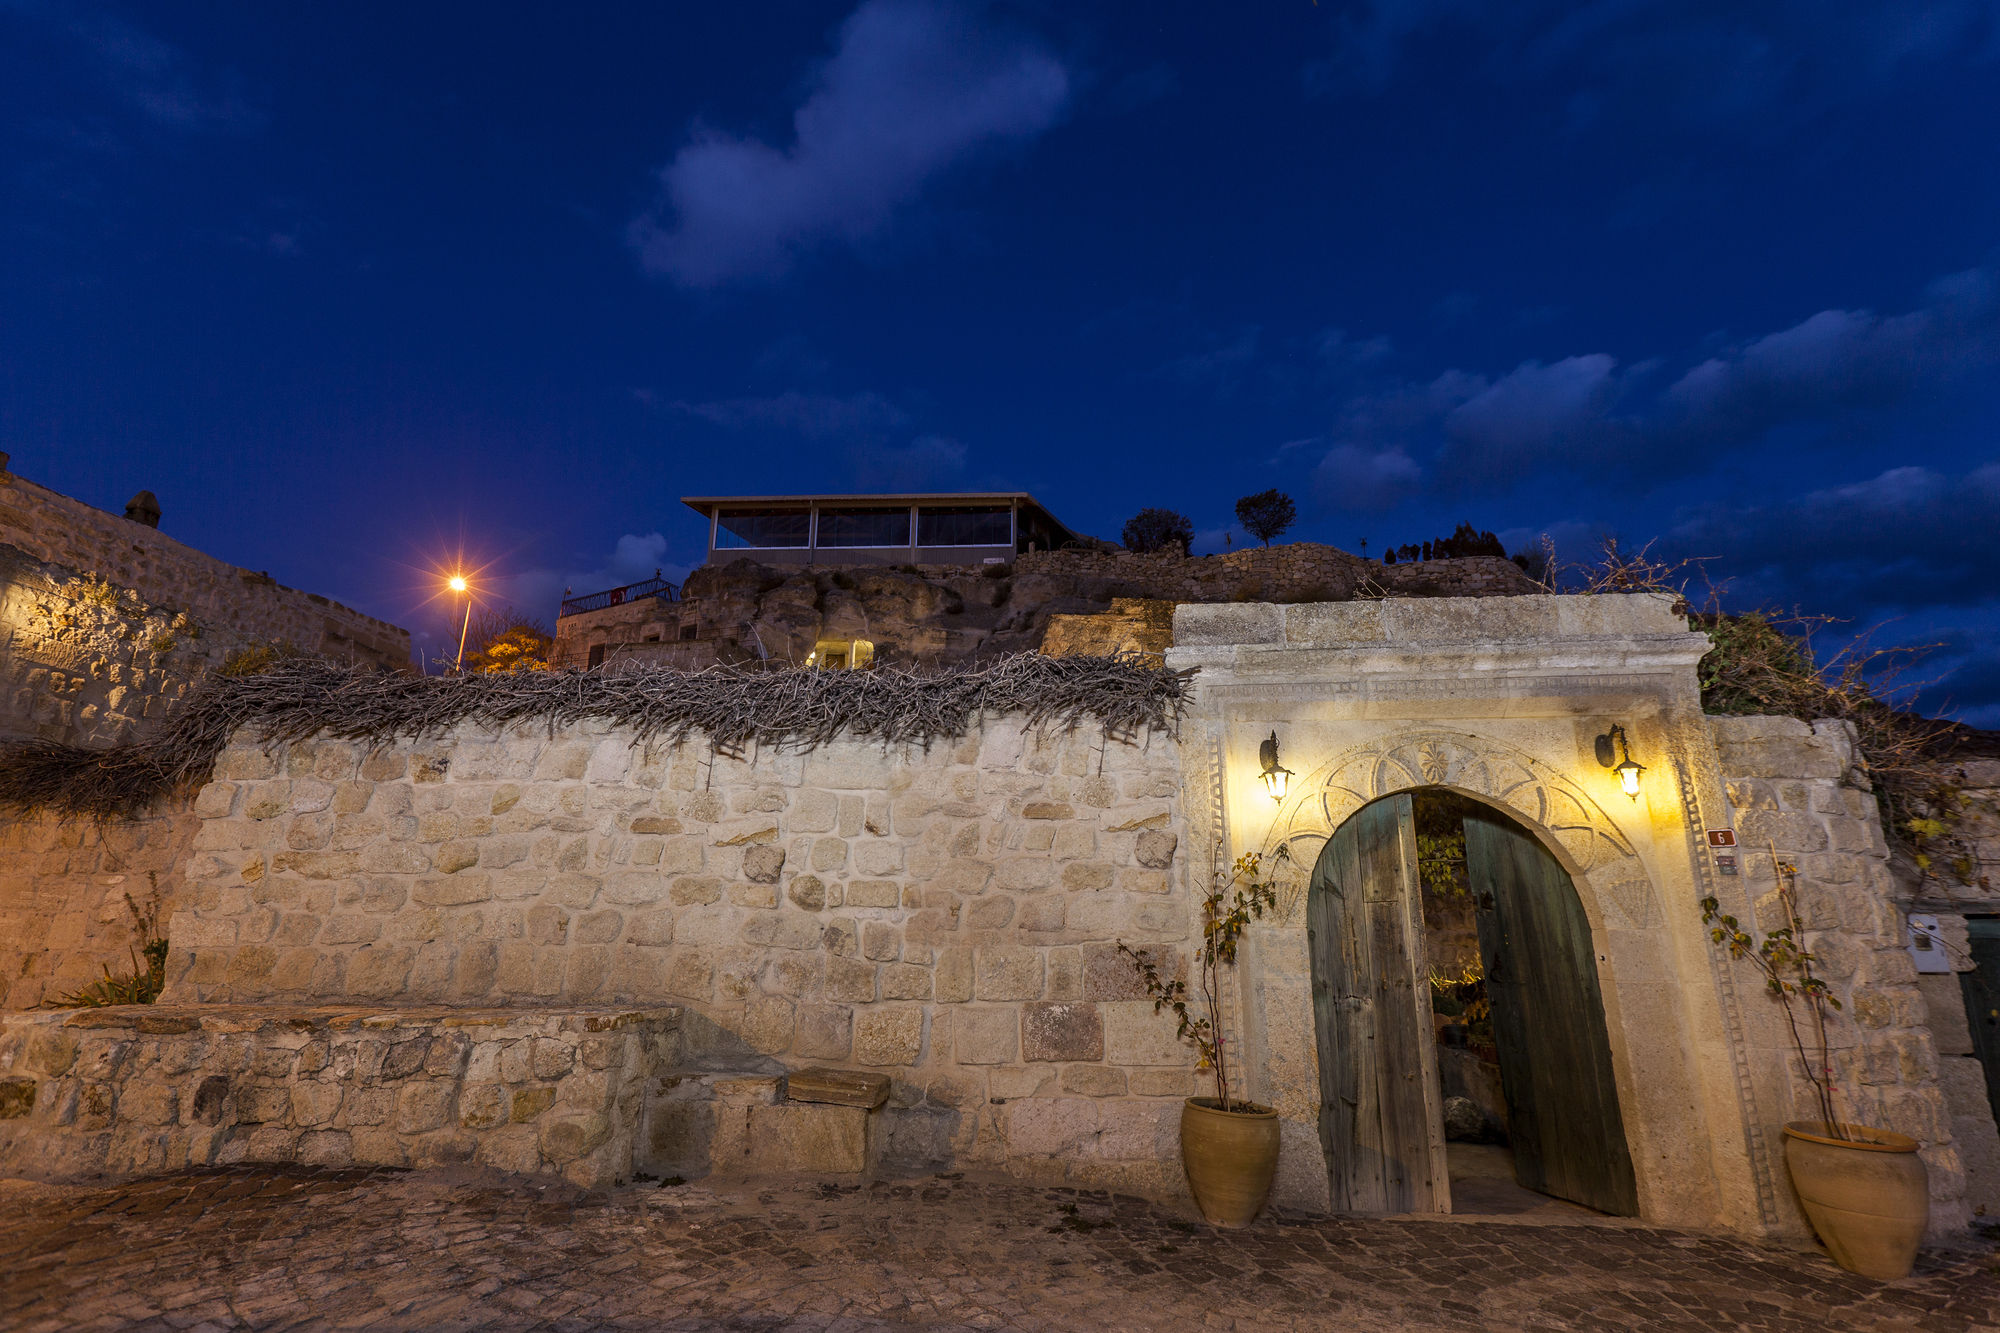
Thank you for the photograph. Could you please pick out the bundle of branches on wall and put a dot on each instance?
(296, 698)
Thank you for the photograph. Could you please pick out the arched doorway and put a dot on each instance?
(1381, 1105)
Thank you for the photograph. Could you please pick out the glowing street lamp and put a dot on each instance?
(458, 585)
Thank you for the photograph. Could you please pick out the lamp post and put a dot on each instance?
(459, 586)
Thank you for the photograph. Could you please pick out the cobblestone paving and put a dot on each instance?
(283, 1248)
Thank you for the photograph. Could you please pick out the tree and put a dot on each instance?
(1266, 514)
(507, 640)
(1158, 530)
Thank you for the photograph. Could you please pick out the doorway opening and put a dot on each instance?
(1437, 922)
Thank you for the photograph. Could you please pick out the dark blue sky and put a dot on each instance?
(348, 285)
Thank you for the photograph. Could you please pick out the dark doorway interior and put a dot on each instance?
(1524, 1062)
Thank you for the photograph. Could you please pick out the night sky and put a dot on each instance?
(354, 287)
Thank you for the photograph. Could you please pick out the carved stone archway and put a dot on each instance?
(1619, 894)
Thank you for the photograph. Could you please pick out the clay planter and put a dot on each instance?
(1230, 1158)
(1868, 1199)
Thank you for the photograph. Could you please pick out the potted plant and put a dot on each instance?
(1229, 1146)
(1864, 1190)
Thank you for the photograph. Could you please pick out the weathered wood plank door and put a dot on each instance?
(1380, 1121)
(1548, 1022)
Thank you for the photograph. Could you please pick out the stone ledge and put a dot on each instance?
(143, 1089)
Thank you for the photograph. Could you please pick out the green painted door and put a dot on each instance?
(1380, 1122)
(1548, 1022)
(1981, 988)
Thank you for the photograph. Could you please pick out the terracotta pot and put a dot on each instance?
(1230, 1157)
(1867, 1197)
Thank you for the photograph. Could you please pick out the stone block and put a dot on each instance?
(986, 1036)
(906, 981)
(425, 1106)
(807, 892)
(837, 1087)
(1061, 1031)
(565, 1138)
(873, 893)
(762, 864)
(17, 1097)
(1051, 1126)
(993, 912)
(1093, 1081)
(1135, 1035)
(1008, 973)
(1155, 848)
(888, 1036)
(830, 1140)
(825, 1031)
(528, 1103)
(952, 975)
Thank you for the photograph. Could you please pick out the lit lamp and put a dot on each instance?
(458, 585)
(1616, 755)
(1275, 777)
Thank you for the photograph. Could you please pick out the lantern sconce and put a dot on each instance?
(1616, 754)
(1275, 777)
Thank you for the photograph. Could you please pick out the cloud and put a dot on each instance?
(1768, 69)
(927, 462)
(1534, 410)
(912, 90)
(815, 416)
(1838, 371)
(1908, 538)
(1355, 478)
(153, 77)
(1841, 360)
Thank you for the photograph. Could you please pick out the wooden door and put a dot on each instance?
(1548, 1022)
(1981, 989)
(1380, 1121)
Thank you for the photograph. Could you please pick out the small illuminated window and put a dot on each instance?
(841, 654)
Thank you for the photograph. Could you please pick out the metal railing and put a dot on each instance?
(631, 592)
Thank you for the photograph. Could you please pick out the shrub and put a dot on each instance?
(1267, 514)
(1152, 530)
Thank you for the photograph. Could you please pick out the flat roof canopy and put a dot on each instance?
(1032, 510)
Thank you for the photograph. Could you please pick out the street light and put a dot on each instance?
(458, 585)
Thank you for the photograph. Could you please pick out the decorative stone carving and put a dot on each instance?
(1511, 781)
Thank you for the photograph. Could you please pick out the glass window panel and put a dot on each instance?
(737, 529)
(864, 527)
(963, 525)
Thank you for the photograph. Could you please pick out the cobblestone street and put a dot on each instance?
(268, 1248)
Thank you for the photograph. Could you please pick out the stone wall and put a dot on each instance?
(104, 621)
(950, 918)
(1294, 572)
(63, 886)
(161, 1088)
(938, 613)
(104, 624)
(1801, 789)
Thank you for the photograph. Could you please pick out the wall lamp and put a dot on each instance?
(1615, 754)
(1275, 777)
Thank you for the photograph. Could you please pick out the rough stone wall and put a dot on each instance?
(104, 624)
(948, 918)
(146, 1089)
(104, 620)
(1799, 788)
(1132, 625)
(1294, 572)
(63, 915)
(934, 613)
